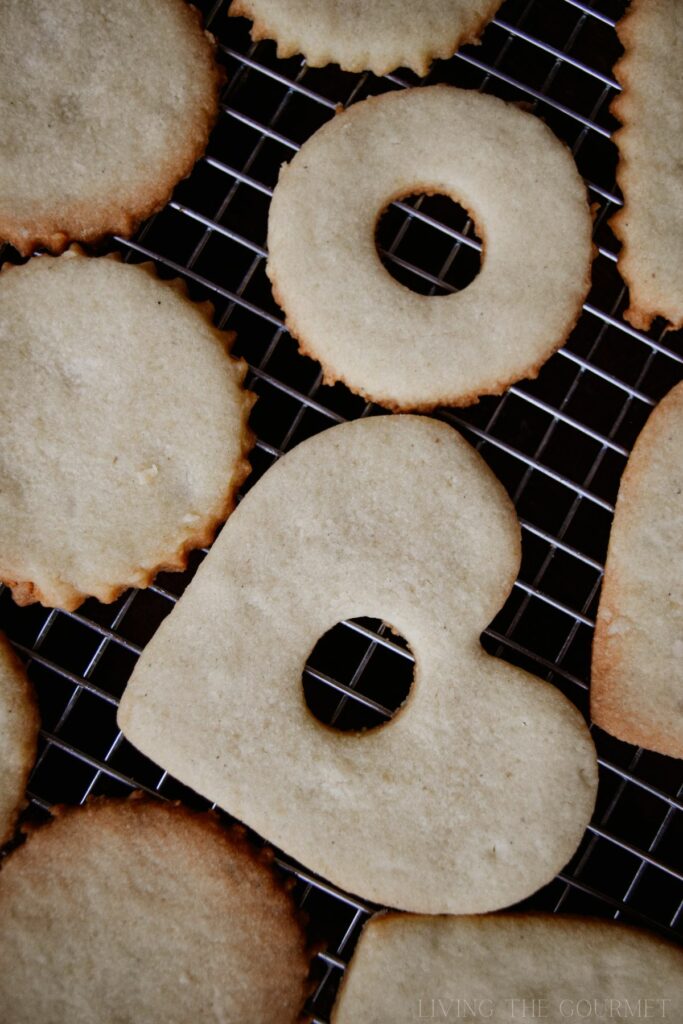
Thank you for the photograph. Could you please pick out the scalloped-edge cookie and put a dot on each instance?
(19, 725)
(124, 427)
(637, 673)
(650, 223)
(480, 788)
(376, 35)
(508, 967)
(133, 910)
(384, 341)
(104, 106)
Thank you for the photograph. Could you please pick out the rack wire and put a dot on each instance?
(559, 444)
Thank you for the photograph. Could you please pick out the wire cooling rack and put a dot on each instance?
(559, 444)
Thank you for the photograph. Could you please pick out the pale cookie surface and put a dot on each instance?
(133, 911)
(637, 684)
(19, 724)
(123, 425)
(104, 106)
(367, 35)
(507, 968)
(479, 789)
(410, 351)
(650, 107)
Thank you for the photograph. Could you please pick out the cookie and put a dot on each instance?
(123, 424)
(508, 967)
(140, 911)
(19, 724)
(637, 673)
(104, 106)
(374, 36)
(410, 351)
(650, 223)
(479, 789)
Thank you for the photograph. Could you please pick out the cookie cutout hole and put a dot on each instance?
(358, 675)
(432, 248)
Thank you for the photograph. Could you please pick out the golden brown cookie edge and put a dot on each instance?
(606, 706)
(31, 715)
(101, 220)
(420, 63)
(26, 592)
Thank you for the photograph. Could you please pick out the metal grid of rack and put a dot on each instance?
(559, 444)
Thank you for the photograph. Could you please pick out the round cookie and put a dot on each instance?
(376, 35)
(637, 671)
(123, 425)
(410, 351)
(479, 789)
(508, 967)
(19, 724)
(140, 911)
(104, 106)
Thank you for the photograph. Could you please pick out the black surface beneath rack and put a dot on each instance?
(559, 444)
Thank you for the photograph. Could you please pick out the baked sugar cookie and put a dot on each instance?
(123, 426)
(478, 791)
(19, 724)
(104, 106)
(637, 685)
(410, 351)
(509, 967)
(376, 35)
(650, 108)
(137, 911)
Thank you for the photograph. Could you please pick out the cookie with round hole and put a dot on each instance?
(124, 427)
(19, 725)
(508, 967)
(519, 184)
(142, 911)
(105, 105)
(650, 223)
(637, 671)
(479, 789)
(377, 35)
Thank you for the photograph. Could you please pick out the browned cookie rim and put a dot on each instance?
(606, 704)
(419, 62)
(92, 222)
(640, 314)
(234, 837)
(29, 744)
(26, 591)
